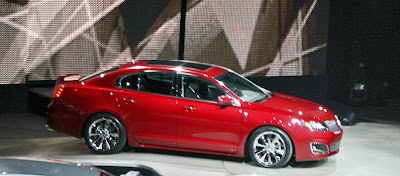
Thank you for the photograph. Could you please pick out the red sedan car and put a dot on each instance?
(191, 106)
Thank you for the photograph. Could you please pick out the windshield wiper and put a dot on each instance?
(266, 96)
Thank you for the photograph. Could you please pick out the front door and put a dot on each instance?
(202, 123)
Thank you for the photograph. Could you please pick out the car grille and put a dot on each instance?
(333, 126)
(335, 146)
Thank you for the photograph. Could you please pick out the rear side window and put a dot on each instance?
(157, 82)
(152, 82)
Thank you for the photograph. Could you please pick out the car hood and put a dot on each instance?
(295, 107)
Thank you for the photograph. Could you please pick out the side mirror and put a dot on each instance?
(224, 100)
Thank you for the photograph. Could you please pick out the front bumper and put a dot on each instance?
(315, 145)
(321, 148)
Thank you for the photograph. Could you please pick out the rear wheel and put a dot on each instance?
(105, 134)
(270, 147)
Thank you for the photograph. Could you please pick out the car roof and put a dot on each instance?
(183, 65)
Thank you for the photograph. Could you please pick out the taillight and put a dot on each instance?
(58, 91)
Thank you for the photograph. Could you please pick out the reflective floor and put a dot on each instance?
(366, 149)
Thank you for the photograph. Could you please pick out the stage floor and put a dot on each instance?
(366, 149)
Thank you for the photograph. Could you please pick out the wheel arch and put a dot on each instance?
(246, 155)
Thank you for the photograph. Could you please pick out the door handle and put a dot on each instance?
(128, 100)
(189, 108)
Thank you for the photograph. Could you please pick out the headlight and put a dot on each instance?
(314, 125)
(338, 122)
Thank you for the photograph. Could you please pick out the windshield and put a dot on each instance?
(243, 88)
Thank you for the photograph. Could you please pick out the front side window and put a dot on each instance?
(194, 87)
(152, 82)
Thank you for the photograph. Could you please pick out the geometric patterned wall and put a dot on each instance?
(44, 39)
(252, 37)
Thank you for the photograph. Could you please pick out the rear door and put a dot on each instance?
(149, 104)
(202, 123)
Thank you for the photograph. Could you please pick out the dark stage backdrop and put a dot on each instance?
(41, 40)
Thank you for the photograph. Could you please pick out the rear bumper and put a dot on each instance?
(60, 120)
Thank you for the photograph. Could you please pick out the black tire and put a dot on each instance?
(270, 147)
(105, 134)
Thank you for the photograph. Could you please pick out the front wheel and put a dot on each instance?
(105, 134)
(270, 147)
